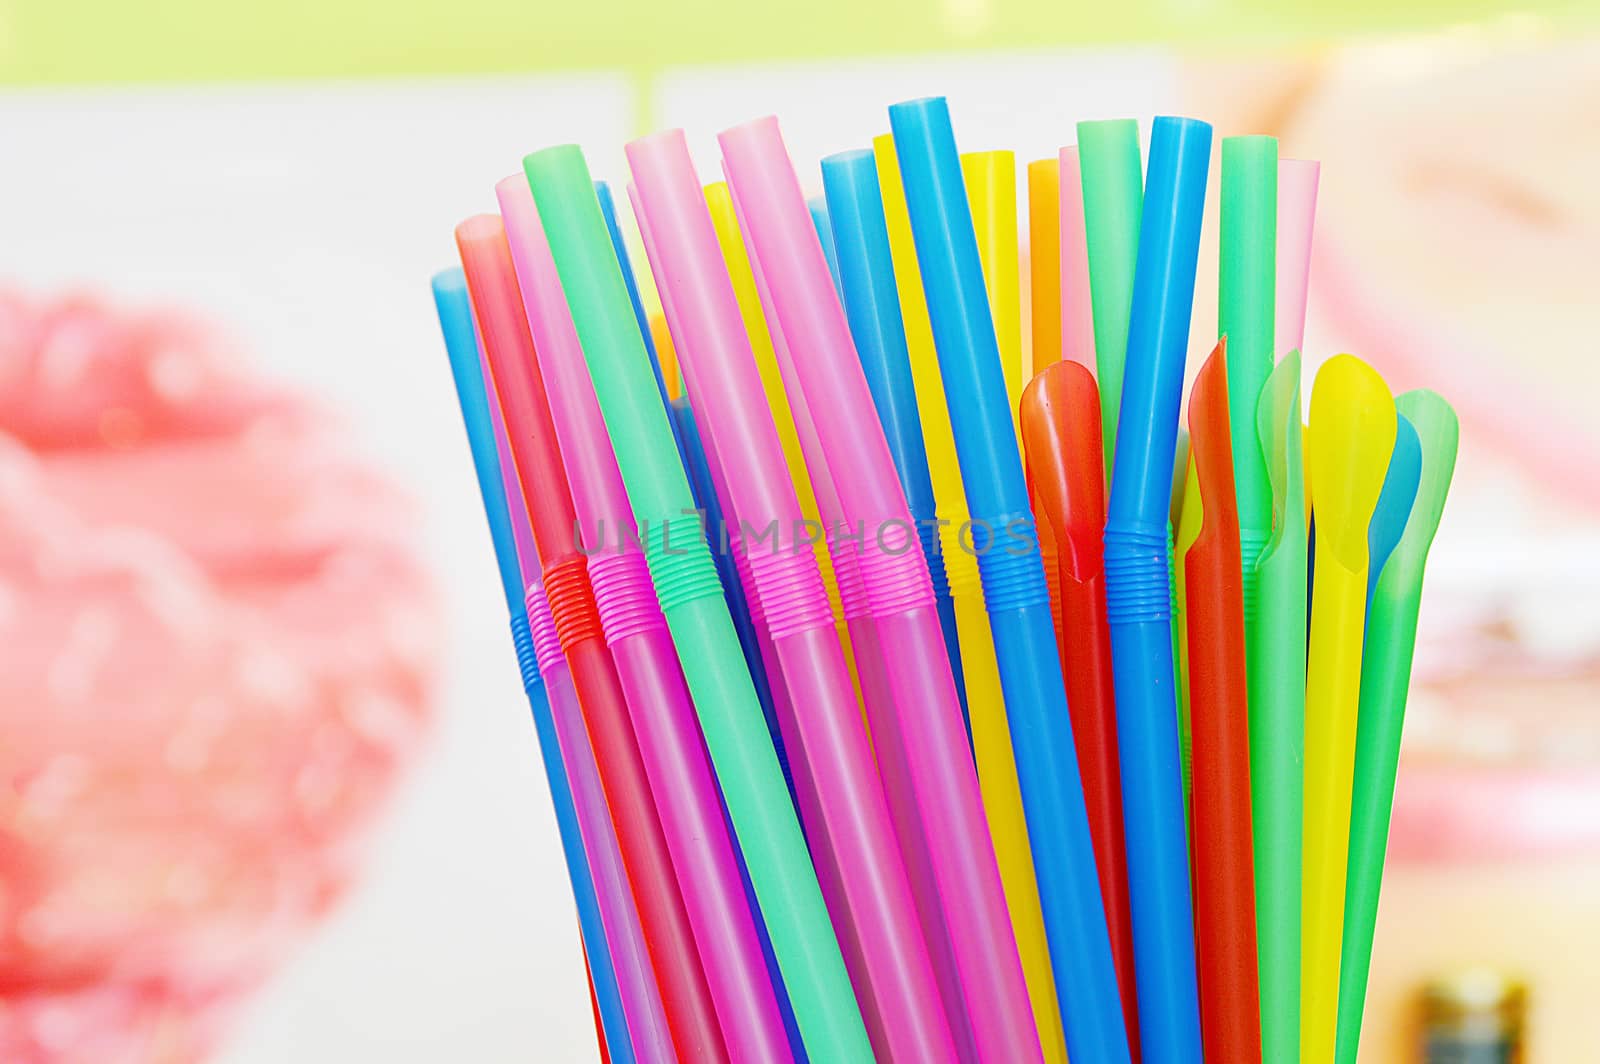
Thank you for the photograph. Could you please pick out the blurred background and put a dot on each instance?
(268, 788)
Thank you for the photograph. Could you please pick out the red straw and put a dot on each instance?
(1066, 464)
(1224, 872)
(508, 347)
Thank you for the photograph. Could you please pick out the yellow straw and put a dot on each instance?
(666, 354)
(1044, 261)
(991, 736)
(991, 178)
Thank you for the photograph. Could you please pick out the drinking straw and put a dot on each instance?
(1385, 677)
(1277, 714)
(979, 668)
(1297, 215)
(786, 416)
(1113, 193)
(818, 206)
(658, 700)
(1224, 876)
(1061, 427)
(722, 375)
(594, 1008)
(1246, 281)
(660, 340)
(1077, 304)
(1013, 580)
(991, 180)
(697, 615)
(898, 587)
(1190, 519)
(1138, 588)
(1044, 264)
(850, 181)
(483, 434)
(1347, 456)
(491, 281)
(1400, 486)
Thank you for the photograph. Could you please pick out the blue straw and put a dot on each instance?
(872, 303)
(1399, 492)
(461, 342)
(1138, 595)
(1014, 587)
(818, 206)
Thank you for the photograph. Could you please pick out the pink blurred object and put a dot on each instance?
(215, 653)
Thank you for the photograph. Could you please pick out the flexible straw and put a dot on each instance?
(898, 586)
(818, 206)
(850, 180)
(1113, 194)
(1077, 302)
(1224, 877)
(697, 615)
(1138, 602)
(491, 280)
(1297, 215)
(484, 433)
(1400, 486)
(1347, 456)
(1061, 427)
(1246, 281)
(663, 718)
(1277, 645)
(991, 736)
(1385, 677)
(704, 311)
(991, 180)
(1013, 578)
(1044, 264)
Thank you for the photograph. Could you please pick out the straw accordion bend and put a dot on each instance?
(955, 733)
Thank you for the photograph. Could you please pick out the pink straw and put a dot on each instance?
(658, 699)
(1077, 310)
(715, 351)
(1297, 218)
(937, 755)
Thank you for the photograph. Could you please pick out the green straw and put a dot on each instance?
(697, 614)
(1247, 297)
(1385, 679)
(1276, 650)
(1113, 200)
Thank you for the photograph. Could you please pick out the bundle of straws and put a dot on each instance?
(894, 708)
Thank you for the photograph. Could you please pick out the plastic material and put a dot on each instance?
(1385, 677)
(1013, 579)
(1224, 877)
(1347, 456)
(898, 587)
(1400, 486)
(1044, 263)
(991, 180)
(1077, 302)
(691, 598)
(1297, 216)
(722, 377)
(1138, 602)
(818, 206)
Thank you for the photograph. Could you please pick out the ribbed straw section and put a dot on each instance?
(1012, 579)
(624, 595)
(747, 580)
(546, 644)
(566, 585)
(791, 591)
(680, 564)
(1052, 573)
(896, 579)
(933, 554)
(1138, 578)
(853, 600)
(1251, 543)
(527, 657)
(960, 564)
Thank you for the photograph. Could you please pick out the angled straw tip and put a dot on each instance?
(765, 126)
(480, 228)
(447, 283)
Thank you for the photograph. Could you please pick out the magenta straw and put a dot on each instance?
(704, 315)
(1297, 215)
(876, 689)
(663, 718)
(938, 758)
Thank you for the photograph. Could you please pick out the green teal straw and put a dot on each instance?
(1113, 199)
(1385, 679)
(697, 614)
(1246, 300)
(1276, 650)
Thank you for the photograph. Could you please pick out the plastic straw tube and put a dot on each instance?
(485, 434)
(897, 585)
(818, 206)
(1297, 216)
(697, 614)
(658, 700)
(1044, 263)
(1108, 155)
(991, 180)
(1247, 277)
(1138, 592)
(722, 377)
(486, 258)
(1077, 302)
